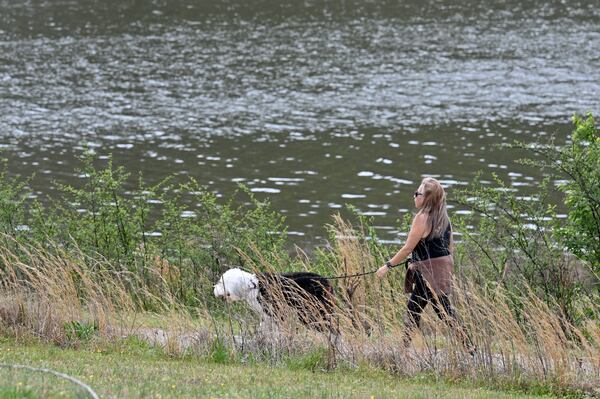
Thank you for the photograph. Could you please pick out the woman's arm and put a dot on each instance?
(417, 231)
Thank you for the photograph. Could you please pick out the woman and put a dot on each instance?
(429, 241)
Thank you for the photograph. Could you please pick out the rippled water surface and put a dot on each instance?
(312, 104)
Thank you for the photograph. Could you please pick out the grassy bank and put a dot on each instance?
(134, 371)
(66, 300)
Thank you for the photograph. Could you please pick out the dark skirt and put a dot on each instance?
(437, 273)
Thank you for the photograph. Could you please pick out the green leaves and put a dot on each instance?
(79, 331)
(581, 163)
(577, 167)
(176, 238)
(516, 240)
(13, 196)
(585, 130)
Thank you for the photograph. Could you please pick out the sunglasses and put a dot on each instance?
(416, 194)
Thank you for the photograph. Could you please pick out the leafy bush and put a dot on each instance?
(97, 216)
(519, 242)
(578, 167)
(512, 243)
(176, 238)
(13, 196)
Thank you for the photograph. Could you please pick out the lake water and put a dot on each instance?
(312, 104)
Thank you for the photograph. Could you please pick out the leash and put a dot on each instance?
(405, 263)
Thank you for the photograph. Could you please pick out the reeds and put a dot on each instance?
(533, 343)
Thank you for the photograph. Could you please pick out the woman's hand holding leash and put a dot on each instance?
(382, 271)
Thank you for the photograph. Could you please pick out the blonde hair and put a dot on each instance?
(434, 206)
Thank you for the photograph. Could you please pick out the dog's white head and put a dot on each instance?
(235, 285)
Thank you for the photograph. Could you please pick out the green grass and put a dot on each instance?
(135, 370)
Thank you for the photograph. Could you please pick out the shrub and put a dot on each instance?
(519, 241)
(511, 243)
(13, 196)
(577, 165)
(176, 238)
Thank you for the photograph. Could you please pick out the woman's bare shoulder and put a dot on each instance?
(420, 218)
(421, 225)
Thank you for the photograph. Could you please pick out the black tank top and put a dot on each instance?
(433, 247)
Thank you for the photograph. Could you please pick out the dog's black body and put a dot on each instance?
(309, 295)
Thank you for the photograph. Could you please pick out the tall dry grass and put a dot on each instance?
(43, 290)
(47, 291)
(535, 344)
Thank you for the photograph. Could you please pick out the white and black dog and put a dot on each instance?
(308, 295)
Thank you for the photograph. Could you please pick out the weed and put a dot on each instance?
(315, 360)
(79, 331)
(219, 352)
